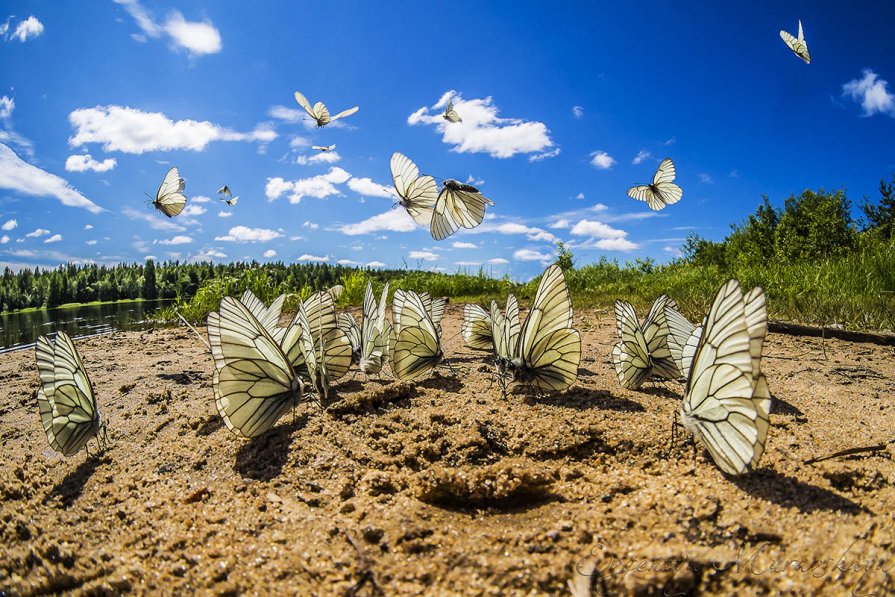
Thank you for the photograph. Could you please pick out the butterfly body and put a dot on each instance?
(319, 112)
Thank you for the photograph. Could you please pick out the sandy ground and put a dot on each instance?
(444, 487)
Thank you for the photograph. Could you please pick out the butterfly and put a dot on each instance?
(169, 198)
(727, 401)
(798, 45)
(457, 205)
(416, 349)
(450, 114)
(548, 350)
(319, 112)
(254, 381)
(642, 351)
(417, 193)
(324, 147)
(505, 330)
(268, 317)
(476, 328)
(65, 398)
(683, 337)
(662, 191)
(225, 190)
(369, 341)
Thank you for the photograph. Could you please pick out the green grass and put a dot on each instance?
(72, 306)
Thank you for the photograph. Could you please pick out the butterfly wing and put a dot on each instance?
(349, 327)
(345, 113)
(798, 46)
(679, 333)
(169, 198)
(655, 333)
(305, 104)
(224, 190)
(417, 348)
(663, 181)
(417, 193)
(455, 208)
(631, 354)
(476, 328)
(643, 192)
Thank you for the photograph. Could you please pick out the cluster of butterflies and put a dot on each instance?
(726, 401)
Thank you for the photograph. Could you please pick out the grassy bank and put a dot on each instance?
(72, 306)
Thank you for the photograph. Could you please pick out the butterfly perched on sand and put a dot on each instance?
(642, 351)
(416, 345)
(662, 191)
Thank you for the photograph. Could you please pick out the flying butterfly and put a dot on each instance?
(230, 199)
(254, 382)
(683, 337)
(65, 398)
(727, 401)
(797, 44)
(450, 114)
(549, 348)
(417, 193)
(169, 199)
(319, 112)
(416, 349)
(642, 351)
(476, 328)
(662, 191)
(324, 147)
(457, 205)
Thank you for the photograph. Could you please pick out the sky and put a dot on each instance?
(563, 111)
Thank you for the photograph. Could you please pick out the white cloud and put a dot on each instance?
(289, 115)
(675, 251)
(596, 229)
(577, 112)
(90, 242)
(129, 130)
(532, 255)
(243, 234)
(616, 244)
(53, 239)
(177, 240)
(531, 232)
(7, 105)
(602, 160)
(423, 255)
(316, 258)
(270, 253)
(319, 187)
(705, 178)
(482, 130)
(208, 255)
(157, 222)
(298, 237)
(200, 199)
(670, 141)
(348, 262)
(85, 162)
(468, 263)
(641, 155)
(872, 93)
(462, 245)
(311, 225)
(192, 210)
(224, 213)
(368, 188)
(10, 225)
(195, 37)
(394, 220)
(28, 29)
(88, 226)
(323, 157)
(498, 261)
(4, 239)
(22, 177)
(38, 232)
(579, 196)
(375, 264)
(560, 224)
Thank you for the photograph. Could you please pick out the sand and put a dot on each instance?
(444, 486)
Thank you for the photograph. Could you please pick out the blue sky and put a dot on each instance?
(557, 107)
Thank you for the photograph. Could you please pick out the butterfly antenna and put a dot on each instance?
(198, 335)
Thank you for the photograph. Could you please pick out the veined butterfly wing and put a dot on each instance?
(457, 205)
(349, 327)
(417, 193)
(345, 113)
(682, 339)
(798, 45)
(417, 348)
(169, 198)
(662, 191)
(476, 328)
(655, 332)
(224, 190)
(306, 105)
(450, 114)
(631, 354)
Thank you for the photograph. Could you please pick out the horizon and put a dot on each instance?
(561, 116)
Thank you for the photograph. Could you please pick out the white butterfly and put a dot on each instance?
(416, 348)
(319, 112)
(505, 330)
(450, 114)
(662, 191)
(642, 351)
(65, 398)
(457, 205)
(727, 402)
(225, 190)
(324, 147)
(476, 328)
(798, 45)
(169, 198)
(268, 317)
(369, 341)
(683, 337)
(325, 350)
(417, 193)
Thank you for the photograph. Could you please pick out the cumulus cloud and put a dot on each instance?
(375, 264)
(468, 263)
(289, 115)
(322, 157)
(196, 37)
(641, 155)
(368, 188)
(498, 261)
(577, 112)
(85, 162)
(872, 93)
(601, 159)
(423, 255)
(615, 244)
(4, 239)
(208, 255)
(319, 187)
(156, 222)
(311, 225)
(20, 176)
(315, 258)
(482, 130)
(90, 242)
(10, 225)
(177, 240)
(270, 253)
(347, 262)
(462, 245)
(37, 233)
(395, 220)
(530, 232)
(7, 105)
(224, 213)
(53, 239)
(129, 130)
(560, 224)
(192, 210)
(27, 29)
(705, 178)
(532, 255)
(88, 226)
(200, 199)
(602, 236)
(244, 234)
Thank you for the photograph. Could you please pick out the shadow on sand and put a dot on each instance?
(71, 487)
(262, 458)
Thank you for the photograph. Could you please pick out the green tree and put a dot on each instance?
(54, 292)
(565, 259)
(150, 290)
(752, 243)
(881, 217)
(815, 226)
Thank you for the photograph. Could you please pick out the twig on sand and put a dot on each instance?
(850, 451)
(198, 335)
